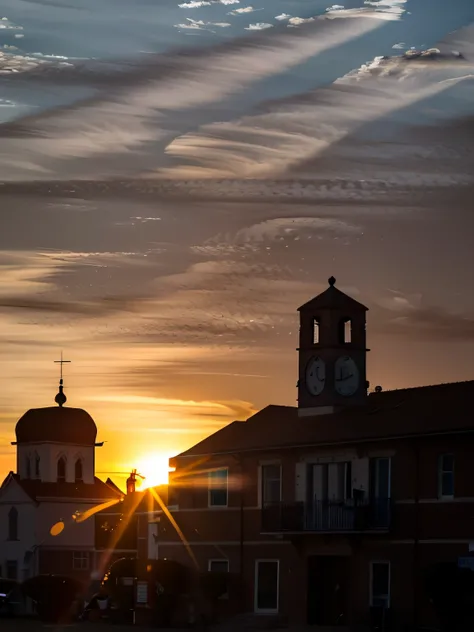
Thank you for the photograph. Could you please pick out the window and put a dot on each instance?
(316, 332)
(12, 569)
(380, 584)
(348, 480)
(446, 476)
(380, 474)
(266, 585)
(345, 331)
(348, 331)
(28, 467)
(271, 484)
(218, 566)
(78, 471)
(330, 481)
(37, 466)
(62, 470)
(218, 488)
(13, 524)
(80, 560)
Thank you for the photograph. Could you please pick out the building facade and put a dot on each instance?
(332, 512)
(46, 505)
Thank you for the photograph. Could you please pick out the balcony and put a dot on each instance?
(327, 516)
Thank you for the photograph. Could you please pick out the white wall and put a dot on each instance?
(14, 496)
(34, 527)
(50, 454)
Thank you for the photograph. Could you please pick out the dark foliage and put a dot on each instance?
(451, 590)
(215, 585)
(53, 594)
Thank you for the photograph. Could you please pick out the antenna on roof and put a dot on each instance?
(61, 398)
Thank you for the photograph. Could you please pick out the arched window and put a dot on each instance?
(62, 470)
(37, 466)
(78, 471)
(28, 467)
(13, 524)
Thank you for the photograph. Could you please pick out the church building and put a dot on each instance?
(44, 527)
(333, 511)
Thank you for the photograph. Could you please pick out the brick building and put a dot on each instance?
(332, 510)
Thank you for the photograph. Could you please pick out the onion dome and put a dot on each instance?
(56, 424)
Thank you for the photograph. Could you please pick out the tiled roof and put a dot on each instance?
(111, 484)
(332, 298)
(76, 491)
(389, 414)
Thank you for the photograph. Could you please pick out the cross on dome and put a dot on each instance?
(61, 398)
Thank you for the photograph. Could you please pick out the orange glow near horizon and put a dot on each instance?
(155, 469)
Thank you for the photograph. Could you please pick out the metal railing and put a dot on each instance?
(327, 516)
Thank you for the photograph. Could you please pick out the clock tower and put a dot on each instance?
(332, 353)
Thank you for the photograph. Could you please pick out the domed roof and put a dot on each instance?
(58, 424)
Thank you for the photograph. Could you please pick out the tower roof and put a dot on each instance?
(57, 424)
(332, 298)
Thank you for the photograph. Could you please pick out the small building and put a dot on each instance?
(47, 505)
(126, 529)
(332, 511)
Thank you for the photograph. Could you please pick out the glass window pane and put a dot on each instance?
(218, 477)
(380, 588)
(218, 497)
(383, 478)
(271, 483)
(380, 579)
(271, 492)
(271, 471)
(267, 585)
(447, 463)
(447, 484)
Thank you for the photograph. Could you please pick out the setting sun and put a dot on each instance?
(155, 469)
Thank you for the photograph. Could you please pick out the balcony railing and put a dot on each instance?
(327, 516)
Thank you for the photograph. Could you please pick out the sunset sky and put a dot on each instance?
(162, 219)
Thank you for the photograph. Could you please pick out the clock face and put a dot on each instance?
(315, 376)
(346, 376)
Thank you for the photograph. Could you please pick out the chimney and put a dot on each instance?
(132, 482)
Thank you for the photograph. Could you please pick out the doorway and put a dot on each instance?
(327, 590)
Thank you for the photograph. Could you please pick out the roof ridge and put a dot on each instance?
(411, 411)
(421, 387)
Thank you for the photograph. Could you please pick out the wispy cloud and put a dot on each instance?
(411, 316)
(126, 120)
(268, 144)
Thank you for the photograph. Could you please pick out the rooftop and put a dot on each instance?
(56, 424)
(36, 489)
(440, 408)
(332, 298)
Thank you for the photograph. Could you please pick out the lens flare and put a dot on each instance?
(57, 528)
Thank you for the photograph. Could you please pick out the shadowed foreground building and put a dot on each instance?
(333, 510)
